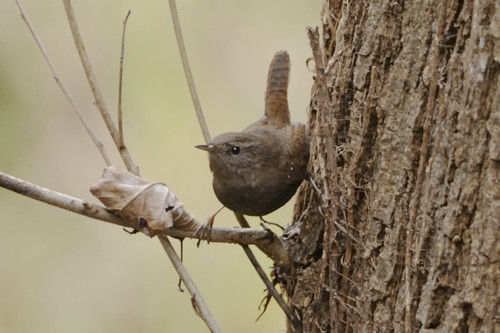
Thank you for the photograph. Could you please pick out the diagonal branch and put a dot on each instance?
(187, 70)
(99, 99)
(201, 308)
(120, 81)
(61, 85)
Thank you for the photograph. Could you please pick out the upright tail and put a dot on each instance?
(276, 108)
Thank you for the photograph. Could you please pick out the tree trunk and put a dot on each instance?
(401, 233)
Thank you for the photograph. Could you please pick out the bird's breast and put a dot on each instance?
(256, 193)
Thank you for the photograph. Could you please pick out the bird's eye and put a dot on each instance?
(235, 150)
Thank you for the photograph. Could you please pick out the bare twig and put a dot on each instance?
(187, 70)
(259, 237)
(318, 56)
(120, 80)
(202, 308)
(99, 99)
(61, 85)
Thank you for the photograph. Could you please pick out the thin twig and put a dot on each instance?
(202, 309)
(318, 56)
(187, 70)
(270, 287)
(120, 80)
(61, 85)
(99, 99)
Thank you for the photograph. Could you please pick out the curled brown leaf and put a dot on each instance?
(136, 199)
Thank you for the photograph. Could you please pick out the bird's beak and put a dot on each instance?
(210, 148)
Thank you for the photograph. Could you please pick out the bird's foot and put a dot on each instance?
(271, 223)
(204, 231)
(270, 236)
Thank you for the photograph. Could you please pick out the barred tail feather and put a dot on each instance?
(276, 108)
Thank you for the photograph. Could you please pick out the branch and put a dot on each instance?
(99, 100)
(199, 305)
(120, 80)
(187, 70)
(61, 85)
(270, 244)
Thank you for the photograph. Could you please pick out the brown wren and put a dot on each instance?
(259, 169)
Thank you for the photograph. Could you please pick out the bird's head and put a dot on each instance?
(233, 153)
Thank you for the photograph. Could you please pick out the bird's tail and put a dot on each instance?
(276, 108)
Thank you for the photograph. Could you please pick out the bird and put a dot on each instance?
(258, 170)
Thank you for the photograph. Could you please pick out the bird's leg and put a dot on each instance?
(206, 228)
(270, 235)
(271, 223)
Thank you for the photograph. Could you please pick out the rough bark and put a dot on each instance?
(405, 124)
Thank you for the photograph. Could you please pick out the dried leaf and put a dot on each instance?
(134, 198)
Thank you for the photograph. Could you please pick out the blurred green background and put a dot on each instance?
(60, 272)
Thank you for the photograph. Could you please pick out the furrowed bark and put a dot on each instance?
(405, 150)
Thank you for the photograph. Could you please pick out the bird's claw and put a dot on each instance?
(204, 231)
(133, 232)
(271, 223)
(269, 236)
